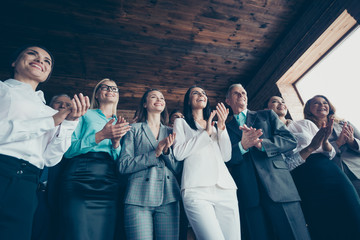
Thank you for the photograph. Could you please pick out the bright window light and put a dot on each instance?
(337, 76)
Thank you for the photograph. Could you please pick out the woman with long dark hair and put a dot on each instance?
(32, 136)
(329, 201)
(207, 188)
(152, 193)
(89, 184)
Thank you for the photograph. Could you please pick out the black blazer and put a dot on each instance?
(269, 164)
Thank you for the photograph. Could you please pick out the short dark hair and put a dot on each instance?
(189, 118)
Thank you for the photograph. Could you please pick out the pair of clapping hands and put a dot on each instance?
(346, 136)
(222, 113)
(79, 105)
(250, 136)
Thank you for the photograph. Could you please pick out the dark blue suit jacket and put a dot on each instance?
(269, 164)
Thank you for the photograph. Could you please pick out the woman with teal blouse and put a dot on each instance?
(89, 185)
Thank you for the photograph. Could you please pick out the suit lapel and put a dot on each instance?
(337, 130)
(149, 135)
(250, 118)
(234, 126)
(163, 133)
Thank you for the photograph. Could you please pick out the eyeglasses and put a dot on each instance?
(108, 88)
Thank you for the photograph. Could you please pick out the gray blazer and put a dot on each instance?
(346, 154)
(270, 165)
(151, 181)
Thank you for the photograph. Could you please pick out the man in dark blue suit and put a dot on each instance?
(269, 203)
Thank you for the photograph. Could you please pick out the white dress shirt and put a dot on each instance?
(27, 128)
(204, 156)
(304, 131)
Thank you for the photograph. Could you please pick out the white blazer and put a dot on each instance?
(204, 156)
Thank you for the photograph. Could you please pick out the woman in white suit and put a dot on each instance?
(208, 190)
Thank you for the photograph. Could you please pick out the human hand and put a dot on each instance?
(121, 127)
(165, 144)
(349, 133)
(222, 113)
(346, 135)
(250, 137)
(113, 131)
(79, 106)
(317, 140)
(210, 123)
(328, 129)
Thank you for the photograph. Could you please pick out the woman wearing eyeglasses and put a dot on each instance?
(89, 182)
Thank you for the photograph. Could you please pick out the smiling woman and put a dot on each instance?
(31, 137)
(89, 177)
(152, 193)
(208, 190)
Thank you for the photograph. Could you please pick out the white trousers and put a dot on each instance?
(212, 212)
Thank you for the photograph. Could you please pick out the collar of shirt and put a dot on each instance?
(103, 115)
(241, 117)
(25, 87)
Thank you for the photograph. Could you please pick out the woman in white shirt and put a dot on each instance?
(31, 137)
(329, 201)
(207, 188)
(345, 139)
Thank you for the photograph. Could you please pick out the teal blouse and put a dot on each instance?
(83, 138)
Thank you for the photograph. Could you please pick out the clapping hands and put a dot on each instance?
(250, 137)
(165, 144)
(113, 131)
(222, 113)
(79, 105)
(346, 135)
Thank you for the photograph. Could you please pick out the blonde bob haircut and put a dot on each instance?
(95, 102)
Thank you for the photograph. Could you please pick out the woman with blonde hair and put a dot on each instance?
(89, 185)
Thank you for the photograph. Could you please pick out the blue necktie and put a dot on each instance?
(240, 118)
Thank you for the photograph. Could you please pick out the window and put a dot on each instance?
(337, 76)
(290, 84)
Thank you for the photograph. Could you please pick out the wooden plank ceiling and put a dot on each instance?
(141, 44)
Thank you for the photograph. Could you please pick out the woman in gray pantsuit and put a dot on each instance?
(152, 193)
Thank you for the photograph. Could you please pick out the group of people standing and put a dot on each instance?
(247, 175)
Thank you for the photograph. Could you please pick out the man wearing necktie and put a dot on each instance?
(269, 203)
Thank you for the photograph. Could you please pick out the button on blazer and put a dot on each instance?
(151, 180)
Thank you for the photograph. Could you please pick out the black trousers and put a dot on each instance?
(89, 192)
(330, 203)
(18, 201)
(270, 220)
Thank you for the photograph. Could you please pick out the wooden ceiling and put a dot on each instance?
(141, 44)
